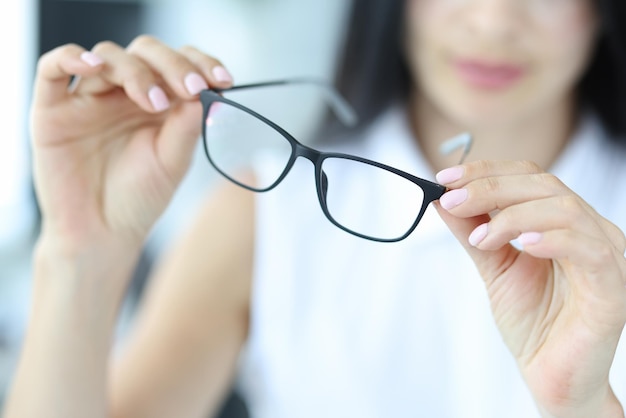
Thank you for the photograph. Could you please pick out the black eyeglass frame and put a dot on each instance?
(432, 191)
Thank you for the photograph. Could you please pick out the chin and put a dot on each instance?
(479, 115)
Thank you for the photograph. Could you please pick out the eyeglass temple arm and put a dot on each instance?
(464, 140)
(342, 109)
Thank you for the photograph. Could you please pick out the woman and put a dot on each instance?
(334, 325)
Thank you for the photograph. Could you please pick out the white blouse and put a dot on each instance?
(345, 327)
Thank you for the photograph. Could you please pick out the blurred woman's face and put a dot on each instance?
(498, 61)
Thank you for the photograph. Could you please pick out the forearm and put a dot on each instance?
(64, 364)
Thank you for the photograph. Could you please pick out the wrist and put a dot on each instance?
(612, 408)
(93, 244)
(606, 407)
(94, 268)
(76, 240)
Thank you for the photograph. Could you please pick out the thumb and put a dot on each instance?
(178, 138)
(56, 68)
(490, 263)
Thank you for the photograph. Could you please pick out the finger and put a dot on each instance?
(602, 265)
(524, 182)
(178, 137)
(123, 70)
(56, 67)
(487, 194)
(458, 176)
(594, 270)
(177, 71)
(560, 212)
(490, 264)
(215, 72)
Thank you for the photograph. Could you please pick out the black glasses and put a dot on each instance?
(255, 153)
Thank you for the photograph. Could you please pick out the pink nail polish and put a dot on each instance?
(91, 58)
(158, 98)
(530, 238)
(450, 175)
(453, 198)
(478, 235)
(194, 83)
(222, 75)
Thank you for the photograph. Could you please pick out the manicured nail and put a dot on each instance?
(222, 75)
(453, 198)
(195, 83)
(478, 234)
(158, 98)
(450, 175)
(91, 58)
(530, 238)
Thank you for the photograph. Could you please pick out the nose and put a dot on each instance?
(495, 20)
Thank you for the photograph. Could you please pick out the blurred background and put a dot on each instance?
(256, 39)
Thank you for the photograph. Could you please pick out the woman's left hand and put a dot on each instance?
(560, 304)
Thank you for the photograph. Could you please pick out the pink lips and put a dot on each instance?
(490, 76)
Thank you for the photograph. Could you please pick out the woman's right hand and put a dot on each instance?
(108, 156)
(110, 152)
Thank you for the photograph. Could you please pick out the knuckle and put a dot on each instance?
(480, 166)
(531, 167)
(564, 211)
(138, 74)
(571, 207)
(48, 57)
(57, 54)
(188, 49)
(43, 62)
(70, 48)
(503, 219)
(569, 202)
(620, 238)
(198, 57)
(143, 41)
(105, 46)
(180, 62)
(603, 254)
(505, 226)
(491, 185)
(547, 180)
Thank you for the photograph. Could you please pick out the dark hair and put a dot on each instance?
(372, 72)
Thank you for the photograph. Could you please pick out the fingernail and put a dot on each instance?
(222, 75)
(453, 198)
(194, 83)
(158, 98)
(530, 238)
(478, 234)
(449, 175)
(91, 58)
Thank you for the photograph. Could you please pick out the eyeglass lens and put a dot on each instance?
(362, 198)
(370, 200)
(239, 144)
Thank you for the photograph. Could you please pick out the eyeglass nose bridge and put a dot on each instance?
(309, 153)
(315, 157)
